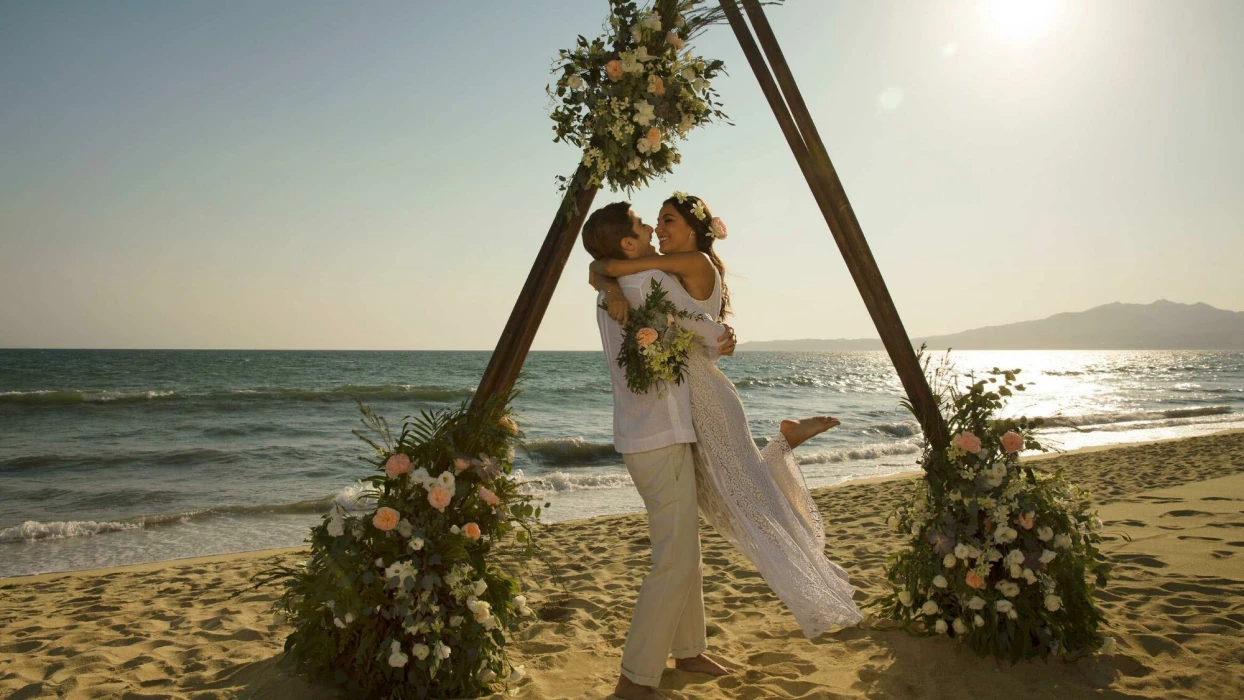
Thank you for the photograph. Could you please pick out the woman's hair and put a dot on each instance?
(605, 229)
(703, 241)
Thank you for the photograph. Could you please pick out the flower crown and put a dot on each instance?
(716, 227)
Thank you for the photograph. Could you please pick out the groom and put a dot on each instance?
(654, 434)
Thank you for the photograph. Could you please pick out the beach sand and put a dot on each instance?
(1174, 528)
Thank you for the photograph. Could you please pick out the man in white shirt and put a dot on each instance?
(653, 432)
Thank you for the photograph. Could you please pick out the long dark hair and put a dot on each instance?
(703, 241)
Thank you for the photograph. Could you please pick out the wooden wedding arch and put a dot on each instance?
(778, 84)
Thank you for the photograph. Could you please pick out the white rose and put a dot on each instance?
(1053, 603)
(688, 73)
(1062, 541)
(516, 674)
(455, 529)
(1013, 614)
(940, 627)
(404, 528)
(455, 620)
(1017, 571)
(1029, 576)
(442, 651)
(929, 607)
(1095, 523)
(978, 620)
(976, 603)
(416, 544)
(349, 618)
(959, 626)
(446, 479)
(1004, 606)
(961, 551)
(397, 659)
(1010, 589)
(1047, 556)
(1014, 557)
(479, 587)
(574, 82)
(949, 561)
(1045, 533)
(904, 597)
(939, 581)
(420, 651)
(380, 563)
(487, 676)
(993, 555)
(420, 476)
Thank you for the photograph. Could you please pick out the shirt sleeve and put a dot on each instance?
(636, 287)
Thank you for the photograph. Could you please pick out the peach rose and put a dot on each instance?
(656, 85)
(1026, 520)
(461, 465)
(968, 442)
(509, 426)
(1012, 442)
(488, 497)
(439, 498)
(675, 40)
(645, 337)
(654, 137)
(397, 465)
(385, 519)
(471, 530)
(974, 580)
(614, 69)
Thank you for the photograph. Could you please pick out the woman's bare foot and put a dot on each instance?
(700, 664)
(628, 689)
(797, 432)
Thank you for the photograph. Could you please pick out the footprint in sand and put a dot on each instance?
(1204, 539)
(1141, 560)
(1184, 513)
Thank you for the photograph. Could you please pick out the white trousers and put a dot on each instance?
(669, 613)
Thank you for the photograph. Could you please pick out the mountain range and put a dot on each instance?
(1162, 325)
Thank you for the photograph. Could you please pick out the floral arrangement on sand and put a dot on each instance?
(403, 597)
(1001, 558)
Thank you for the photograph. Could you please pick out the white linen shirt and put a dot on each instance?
(643, 422)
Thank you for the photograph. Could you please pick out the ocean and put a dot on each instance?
(120, 457)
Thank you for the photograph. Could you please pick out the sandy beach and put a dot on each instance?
(1174, 516)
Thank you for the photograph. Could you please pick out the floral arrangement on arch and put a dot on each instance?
(403, 597)
(628, 96)
(1001, 558)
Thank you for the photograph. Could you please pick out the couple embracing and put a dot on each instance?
(689, 450)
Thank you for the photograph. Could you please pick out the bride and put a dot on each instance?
(756, 499)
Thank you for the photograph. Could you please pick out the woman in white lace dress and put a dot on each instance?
(757, 499)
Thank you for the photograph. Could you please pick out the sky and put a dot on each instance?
(380, 175)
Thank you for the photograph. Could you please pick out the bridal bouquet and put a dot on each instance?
(402, 596)
(654, 347)
(1001, 558)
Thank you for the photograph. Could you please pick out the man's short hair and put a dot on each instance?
(605, 229)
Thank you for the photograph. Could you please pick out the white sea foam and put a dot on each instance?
(560, 482)
(32, 531)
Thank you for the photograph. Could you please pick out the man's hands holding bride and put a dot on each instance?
(619, 309)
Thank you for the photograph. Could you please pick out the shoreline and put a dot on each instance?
(278, 551)
(1173, 511)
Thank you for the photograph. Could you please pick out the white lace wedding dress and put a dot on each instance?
(759, 502)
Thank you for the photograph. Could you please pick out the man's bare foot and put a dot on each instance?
(700, 664)
(798, 431)
(628, 689)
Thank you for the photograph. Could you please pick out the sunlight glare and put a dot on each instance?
(1021, 20)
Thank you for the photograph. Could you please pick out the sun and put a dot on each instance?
(1021, 20)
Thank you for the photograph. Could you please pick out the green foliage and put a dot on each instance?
(372, 598)
(1001, 558)
(663, 360)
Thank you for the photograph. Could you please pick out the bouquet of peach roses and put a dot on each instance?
(654, 347)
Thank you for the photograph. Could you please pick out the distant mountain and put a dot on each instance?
(1162, 325)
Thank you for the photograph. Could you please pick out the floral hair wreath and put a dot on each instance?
(716, 227)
